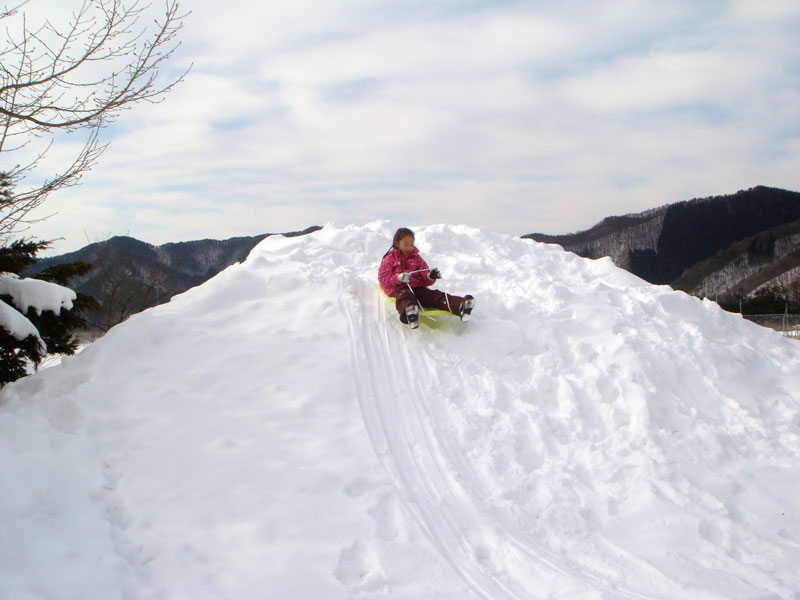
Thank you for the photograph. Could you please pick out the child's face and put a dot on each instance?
(406, 244)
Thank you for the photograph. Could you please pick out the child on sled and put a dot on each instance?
(405, 276)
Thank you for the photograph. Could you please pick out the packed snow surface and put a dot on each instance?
(278, 433)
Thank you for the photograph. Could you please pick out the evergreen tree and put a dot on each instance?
(50, 332)
(58, 331)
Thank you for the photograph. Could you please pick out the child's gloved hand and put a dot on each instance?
(434, 274)
(403, 277)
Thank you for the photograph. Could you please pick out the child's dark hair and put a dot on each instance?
(400, 234)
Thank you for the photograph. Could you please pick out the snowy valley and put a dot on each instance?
(277, 433)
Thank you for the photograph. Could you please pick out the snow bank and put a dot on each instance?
(277, 433)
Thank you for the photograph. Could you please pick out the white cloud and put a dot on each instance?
(515, 116)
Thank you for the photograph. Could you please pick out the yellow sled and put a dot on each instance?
(432, 318)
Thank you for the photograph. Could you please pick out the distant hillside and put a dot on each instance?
(741, 246)
(130, 275)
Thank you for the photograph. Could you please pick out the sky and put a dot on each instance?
(518, 117)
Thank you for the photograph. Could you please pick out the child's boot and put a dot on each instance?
(412, 315)
(465, 310)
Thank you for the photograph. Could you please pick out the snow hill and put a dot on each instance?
(277, 433)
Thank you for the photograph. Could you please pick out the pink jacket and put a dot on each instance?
(396, 262)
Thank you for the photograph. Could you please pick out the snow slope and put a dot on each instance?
(277, 433)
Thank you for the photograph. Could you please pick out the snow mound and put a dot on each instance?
(277, 433)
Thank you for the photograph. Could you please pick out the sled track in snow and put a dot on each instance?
(401, 386)
(392, 401)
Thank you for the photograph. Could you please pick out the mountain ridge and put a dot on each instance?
(737, 248)
(708, 247)
(130, 275)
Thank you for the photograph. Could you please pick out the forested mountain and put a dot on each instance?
(130, 275)
(740, 247)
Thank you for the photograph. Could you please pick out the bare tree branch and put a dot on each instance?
(7, 12)
(14, 213)
(75, 77)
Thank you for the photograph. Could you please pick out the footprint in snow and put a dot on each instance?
(387, 518)
(355, 567)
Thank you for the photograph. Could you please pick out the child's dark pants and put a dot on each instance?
(427, 298)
